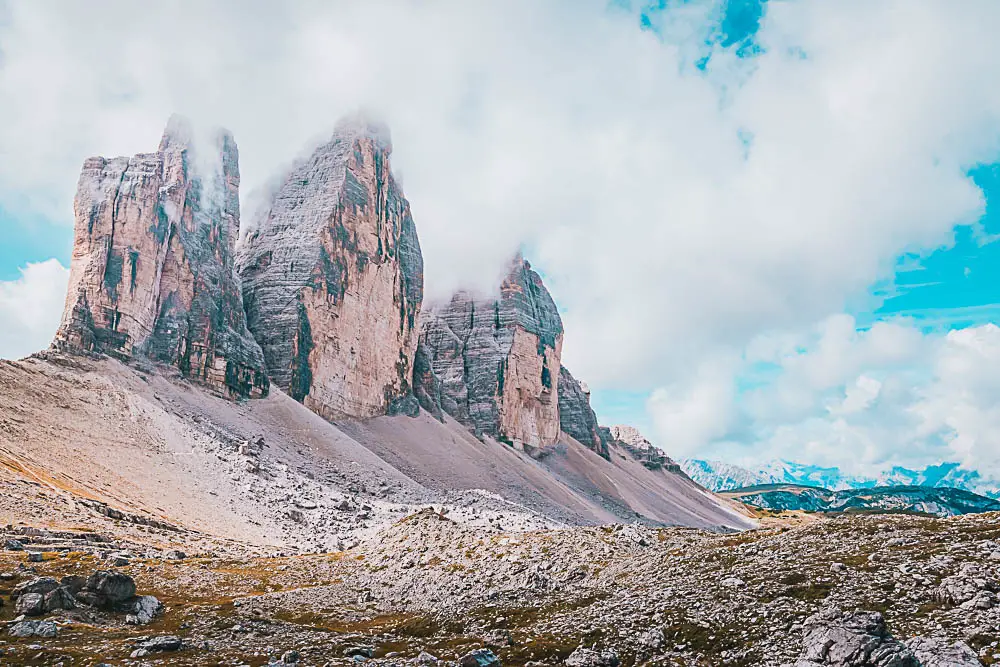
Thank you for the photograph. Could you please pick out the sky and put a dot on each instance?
(771, 227)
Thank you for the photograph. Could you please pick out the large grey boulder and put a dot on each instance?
(935, 652)
(43, 629)
(143, 610)
(30, 604)
(39, 585)
(107, 589)
(859, 639)
(588, 657)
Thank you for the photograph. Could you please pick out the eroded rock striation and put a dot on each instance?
(333, 279)
(576, 417)
(494, 364)
(152, 272)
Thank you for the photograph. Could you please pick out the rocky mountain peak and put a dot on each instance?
(179, 133)
(152, 271)
(364, 126)
(630, 436)
(633, 441)
(493, 363)
(333, 279)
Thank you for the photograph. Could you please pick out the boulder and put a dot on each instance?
(161, 644)
(143, 610)
(933, 652)
(107, 589)
(30, 604)
(588, 657)
(60, 598)
(42, 629)
(359, 651)
(39, 585)
(860, 639)
(481, 657)
(653, 639)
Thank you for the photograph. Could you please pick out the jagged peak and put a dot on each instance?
(178, 132)
(181, 134)
(363, 124)
(630, 435)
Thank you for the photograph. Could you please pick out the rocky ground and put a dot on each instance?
(427, 588)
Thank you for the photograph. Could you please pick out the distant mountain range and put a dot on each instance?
(719, 476)
(940, 502)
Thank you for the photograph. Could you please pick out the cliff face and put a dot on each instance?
(493, 364)
(333, 280)
(576, 417)
(152, 271)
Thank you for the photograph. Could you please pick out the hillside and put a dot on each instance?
(75, 428)
(941, 502)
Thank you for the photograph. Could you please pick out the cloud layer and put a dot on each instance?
(862, 401)
(678, 212)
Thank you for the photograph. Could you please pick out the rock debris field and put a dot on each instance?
(880, 590)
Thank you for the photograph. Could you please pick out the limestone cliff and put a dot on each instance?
(493, 364)
(333, 279)
(576, 417)
(152, 271)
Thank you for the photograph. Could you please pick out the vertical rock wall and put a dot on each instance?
(152, 272)
(493, 364)
(576, 417)
(333, 280)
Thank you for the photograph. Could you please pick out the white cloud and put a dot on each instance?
(560, 125)
(886, 396)
(689, 415)
(30, 307)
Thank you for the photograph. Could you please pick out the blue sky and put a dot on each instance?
(32, 239)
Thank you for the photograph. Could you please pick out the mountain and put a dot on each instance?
(494, 363)
(363, 405)
(629, 438)
(359, 478)
(152, 268)
(333, 279)
(719, 476)
(942, 502)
